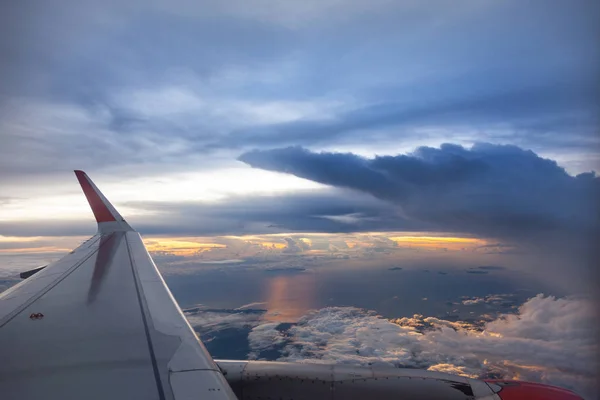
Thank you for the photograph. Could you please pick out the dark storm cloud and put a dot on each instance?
(330, 211)
(48, 228)
(487, 189)
(333, 211)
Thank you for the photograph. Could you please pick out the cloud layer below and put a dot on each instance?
(550, 340)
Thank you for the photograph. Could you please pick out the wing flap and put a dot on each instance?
(31, 272)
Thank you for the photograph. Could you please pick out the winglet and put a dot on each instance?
(108, 218)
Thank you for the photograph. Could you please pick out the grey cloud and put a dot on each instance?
(84, 48)
(48, 228)
(303, 212)
(536, 110)
(476, 300)
(499, 193)
(496, 299)
(295, 246)
(408, 68)
(210, 321)
(488, 189)
(65, 64)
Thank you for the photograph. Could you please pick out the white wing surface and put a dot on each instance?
(100, 323)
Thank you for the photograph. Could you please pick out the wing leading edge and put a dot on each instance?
(101, 323)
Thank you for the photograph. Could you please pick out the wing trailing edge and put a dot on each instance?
(108, 218)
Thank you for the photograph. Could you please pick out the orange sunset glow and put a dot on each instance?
(180, 246)
(217, 246)
(317, 243)
(438, 242)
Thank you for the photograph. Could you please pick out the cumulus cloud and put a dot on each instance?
(265, 337)
(551, 340)
(210, 321)
(494, 299)
(495, 190)
(476, 300)
(295, 245)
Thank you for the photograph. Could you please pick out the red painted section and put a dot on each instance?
(99, 209)
(515, 390)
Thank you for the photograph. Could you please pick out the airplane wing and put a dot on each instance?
(100, 323)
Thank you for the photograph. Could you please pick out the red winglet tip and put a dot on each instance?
(101, 212)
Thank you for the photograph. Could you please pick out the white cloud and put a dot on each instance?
(550, 340)
(550, 319)
(11, 264)
(476, 300)
(205, 321)
(256, 305)
(263, 337)
(494, 299)
(452, 369)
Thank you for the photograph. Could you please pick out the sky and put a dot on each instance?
(311, 134)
